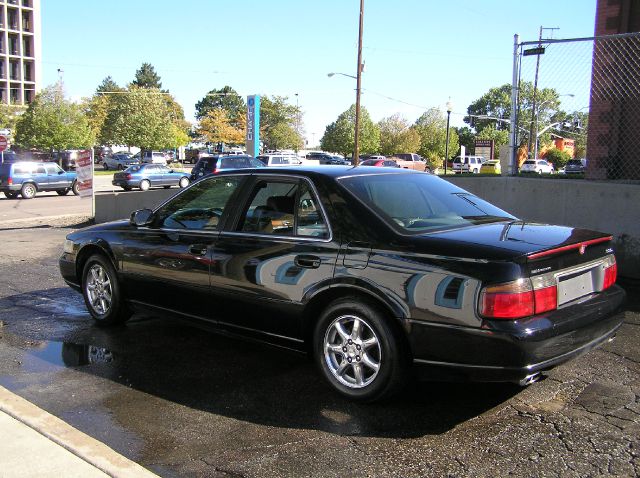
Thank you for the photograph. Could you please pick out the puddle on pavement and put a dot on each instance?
(67, 354)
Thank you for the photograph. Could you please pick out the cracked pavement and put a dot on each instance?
(183, 401)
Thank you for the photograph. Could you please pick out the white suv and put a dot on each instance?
(537, 166)
(154, 157)
(467, 164)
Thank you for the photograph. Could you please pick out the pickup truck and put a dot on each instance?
(411, 161)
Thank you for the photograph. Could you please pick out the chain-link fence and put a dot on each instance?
(582, 97)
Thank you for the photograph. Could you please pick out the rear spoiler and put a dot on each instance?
(581, 246)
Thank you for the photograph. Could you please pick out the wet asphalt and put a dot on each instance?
(184, 401)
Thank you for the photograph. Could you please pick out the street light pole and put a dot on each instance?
(356, 142)
(446, 146)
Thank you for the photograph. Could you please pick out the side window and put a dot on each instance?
(271, 210)
(52, 169)
(40, 170)
(309, 221)
(200, 207)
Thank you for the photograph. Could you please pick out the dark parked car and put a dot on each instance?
(145, 176)
(326, 158)
(576, 166)
(215, 164)
(27, 178)
(376, 272)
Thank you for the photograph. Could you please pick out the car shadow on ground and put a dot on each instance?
(192, 366)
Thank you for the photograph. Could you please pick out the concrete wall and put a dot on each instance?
(603, 206)
(111, 206)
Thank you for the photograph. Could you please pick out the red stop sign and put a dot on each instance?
(3, 143)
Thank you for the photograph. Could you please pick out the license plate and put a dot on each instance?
(574, 286)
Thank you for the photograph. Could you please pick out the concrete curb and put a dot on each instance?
(81, 445)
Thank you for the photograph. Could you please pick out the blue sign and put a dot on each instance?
(253, 125)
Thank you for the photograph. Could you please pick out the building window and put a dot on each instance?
(28, 96)
(14, 73)
(26, 3)
(15, 94)
(26, 22)
(12, 17)
(28, 71)
(2, 73)
(13, 45)
(26, 46)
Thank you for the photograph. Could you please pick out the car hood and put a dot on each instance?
(505, 240)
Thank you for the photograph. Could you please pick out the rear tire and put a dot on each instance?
(11, 195)
(105, 166)
(62, 192)
(28, 191)
(101, 291)
(144, 185)
(120, 167)
(359, 352)
(184, 182)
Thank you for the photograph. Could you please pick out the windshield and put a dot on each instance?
(419, 203)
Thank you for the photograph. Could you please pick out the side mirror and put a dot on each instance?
(171, 171)
(141, 217)
(60, 172)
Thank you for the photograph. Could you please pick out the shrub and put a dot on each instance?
(558, 158)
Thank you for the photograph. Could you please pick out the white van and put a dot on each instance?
(467, 164)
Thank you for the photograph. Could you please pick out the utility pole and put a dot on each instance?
(356, 142)
(535, 86)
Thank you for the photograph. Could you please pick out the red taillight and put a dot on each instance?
(610, 275)
(9, 181)
(546, 299)
(215, 171)
(517, 299)
(127, 176)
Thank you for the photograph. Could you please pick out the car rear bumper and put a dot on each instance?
(10, 188)
(124, 183)
(510, 350)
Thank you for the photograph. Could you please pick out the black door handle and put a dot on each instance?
(198, 249)
(309, 262)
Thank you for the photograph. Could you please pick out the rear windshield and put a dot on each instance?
(418, 203)
(529, 162)
(240, 162)
(574, 162)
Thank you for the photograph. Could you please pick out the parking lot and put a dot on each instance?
(183, 401)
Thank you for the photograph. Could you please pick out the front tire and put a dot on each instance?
(144, 185)
(184, 182)
(75, 188)
(359, 352)
(102, 293)
(28, 191)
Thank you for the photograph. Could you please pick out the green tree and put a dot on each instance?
(54, 124)
(97, 107)
(216, 127)
(397, 136)
(226, 98)
(496, 103)
(146, 77)
(432, 128)
(109, 86)
(339, 136)
(279, 123)
(142, 118)
(467, 137)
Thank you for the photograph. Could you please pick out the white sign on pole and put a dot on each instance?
(84, 170)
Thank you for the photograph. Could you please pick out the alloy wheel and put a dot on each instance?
(352, 351)
(99, 290)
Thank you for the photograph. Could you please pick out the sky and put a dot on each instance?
(418, 53)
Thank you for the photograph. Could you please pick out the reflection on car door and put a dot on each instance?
(265, 262)
(167, 264)
(55, 180)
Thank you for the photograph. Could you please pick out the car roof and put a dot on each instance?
(325, 170)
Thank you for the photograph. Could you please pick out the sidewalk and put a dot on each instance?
(37, 444)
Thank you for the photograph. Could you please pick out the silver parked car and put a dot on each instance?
(119, 161)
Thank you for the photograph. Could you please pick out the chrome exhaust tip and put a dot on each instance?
(529, 379)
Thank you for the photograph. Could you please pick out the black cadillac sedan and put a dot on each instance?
(380, 274)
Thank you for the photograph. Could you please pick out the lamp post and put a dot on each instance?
(356, 142)
(297, 122)
(446, 146)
